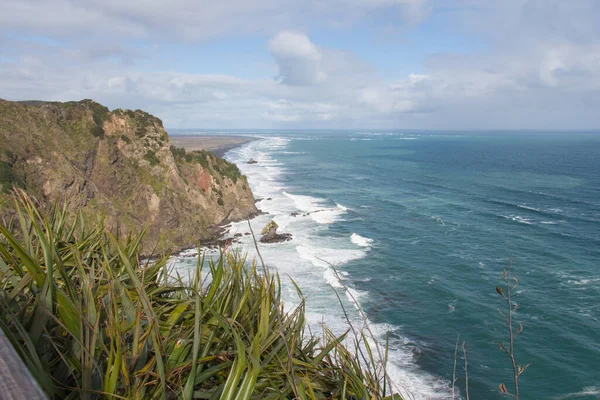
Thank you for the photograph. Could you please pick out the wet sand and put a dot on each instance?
(219, 145)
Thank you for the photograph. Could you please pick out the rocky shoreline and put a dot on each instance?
(220, 240)
(218, 234)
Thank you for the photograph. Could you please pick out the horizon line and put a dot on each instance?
(408, 130)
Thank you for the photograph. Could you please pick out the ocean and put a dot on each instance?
(419, 226)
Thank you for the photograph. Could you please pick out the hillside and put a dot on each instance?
(119, 164)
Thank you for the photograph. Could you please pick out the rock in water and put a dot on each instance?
(252, 161)
(270, 228)
(270, 235)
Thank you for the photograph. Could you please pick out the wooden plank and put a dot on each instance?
(16, 383)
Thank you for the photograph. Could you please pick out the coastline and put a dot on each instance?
(218, 145)
(312, 254)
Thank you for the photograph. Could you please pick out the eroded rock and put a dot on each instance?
(270, 235)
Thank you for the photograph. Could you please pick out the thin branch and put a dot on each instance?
(466, 370)
(454, 372)
(510, 283)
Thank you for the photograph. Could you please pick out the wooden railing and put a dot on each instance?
(16, 383)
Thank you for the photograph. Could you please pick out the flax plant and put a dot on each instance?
(91, 320)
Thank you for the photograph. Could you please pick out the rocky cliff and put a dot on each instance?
(119, 165)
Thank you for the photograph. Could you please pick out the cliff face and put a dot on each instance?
(118, 164)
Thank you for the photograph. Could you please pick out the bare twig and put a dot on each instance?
(454, 372)
(466, 371)
(510, 283)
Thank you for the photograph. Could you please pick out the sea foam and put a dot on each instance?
(361, 240)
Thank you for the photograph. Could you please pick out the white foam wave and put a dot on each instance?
(189, 253)
(305, 203)
(396, 135)
(581, 282)
(326, 257)
(317, 208)
(353, 295)
(332, 278)
(528, 207)
(325, 216)
(361, 240)
(518, 218)
(380, 133)
(341, 207)
(591, 391)
(438, 219)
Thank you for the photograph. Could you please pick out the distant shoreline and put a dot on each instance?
(219, 145)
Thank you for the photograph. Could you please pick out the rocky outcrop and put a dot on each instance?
(119, 165)
(270, 235)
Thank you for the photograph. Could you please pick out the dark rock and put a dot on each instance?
(294, 214)
(252, 161)
(276, 238)
(218, 243)
(238, 235)
(270, 235)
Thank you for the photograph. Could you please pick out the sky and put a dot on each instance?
(328, 64)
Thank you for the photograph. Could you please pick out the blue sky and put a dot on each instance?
(231, 64)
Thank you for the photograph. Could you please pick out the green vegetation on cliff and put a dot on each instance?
(7, 177)
(120, 165)
(90, 322)
(220, 167)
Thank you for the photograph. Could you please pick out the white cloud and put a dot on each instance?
(539, 65)
(298, 59)
(189, 20)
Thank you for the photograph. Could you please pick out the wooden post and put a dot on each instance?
(16, 383)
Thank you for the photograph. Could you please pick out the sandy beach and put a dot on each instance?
(219, 145)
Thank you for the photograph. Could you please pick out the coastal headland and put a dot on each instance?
(121, 165)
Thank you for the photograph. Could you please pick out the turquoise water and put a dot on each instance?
(421, 225)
